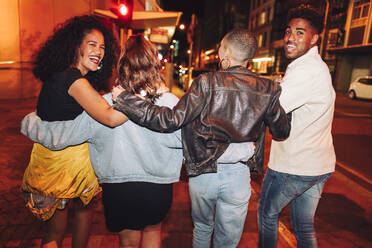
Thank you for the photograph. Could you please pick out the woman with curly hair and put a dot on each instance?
(75, 62)
(136, 167)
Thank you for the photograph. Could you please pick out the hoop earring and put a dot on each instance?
(100, 65)
(220, 64)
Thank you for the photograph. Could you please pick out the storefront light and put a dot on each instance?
(6, 62)
(262, 59)
(209, 52)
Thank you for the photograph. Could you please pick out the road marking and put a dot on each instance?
(353, 114)
(355, 173)
(284, 232)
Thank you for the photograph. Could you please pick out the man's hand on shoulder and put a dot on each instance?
(116, 91)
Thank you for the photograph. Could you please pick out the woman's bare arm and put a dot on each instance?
(94, 104)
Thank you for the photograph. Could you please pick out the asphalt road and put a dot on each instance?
(352, 134)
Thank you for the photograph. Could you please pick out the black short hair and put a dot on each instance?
(308, 13)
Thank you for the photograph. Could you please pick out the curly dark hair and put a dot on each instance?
(308, 13)
(59, 52)
(139, 67)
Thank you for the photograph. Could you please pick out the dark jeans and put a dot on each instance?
(302, 193)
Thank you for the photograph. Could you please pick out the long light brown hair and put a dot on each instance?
(139, 67)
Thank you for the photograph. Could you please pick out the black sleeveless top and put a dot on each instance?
(54, 103)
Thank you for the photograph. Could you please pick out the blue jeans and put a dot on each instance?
(302, 193)
(219, 203)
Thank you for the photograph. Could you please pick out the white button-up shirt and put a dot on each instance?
(308, 93)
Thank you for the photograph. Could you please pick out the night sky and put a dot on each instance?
(186, 6)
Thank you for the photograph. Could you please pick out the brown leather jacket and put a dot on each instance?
(222, 107)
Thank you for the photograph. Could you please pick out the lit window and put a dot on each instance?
(263, 18)
(260, 39)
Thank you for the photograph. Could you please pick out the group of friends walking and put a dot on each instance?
(131, 143)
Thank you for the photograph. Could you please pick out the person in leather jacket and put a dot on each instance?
(232, 105)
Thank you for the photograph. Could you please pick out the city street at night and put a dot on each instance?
(343, 219)
(60, 56)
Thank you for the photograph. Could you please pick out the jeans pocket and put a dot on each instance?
(201, 184)
(237, 186)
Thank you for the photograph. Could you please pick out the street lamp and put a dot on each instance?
(182, 27)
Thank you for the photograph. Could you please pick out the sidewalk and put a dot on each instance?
(352, 138)
(18, 228)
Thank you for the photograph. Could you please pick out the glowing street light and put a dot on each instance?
(182, 27)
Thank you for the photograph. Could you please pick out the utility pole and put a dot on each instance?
(324, 33)
(190, 39)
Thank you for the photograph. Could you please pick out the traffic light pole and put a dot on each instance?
(191, 41)
(190, 64)
(125, 33)
(323, 44)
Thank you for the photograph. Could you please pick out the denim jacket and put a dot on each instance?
(220, 108)
(126, 153)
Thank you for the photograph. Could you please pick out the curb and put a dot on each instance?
(354, 175)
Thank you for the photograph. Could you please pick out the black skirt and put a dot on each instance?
(135, 205)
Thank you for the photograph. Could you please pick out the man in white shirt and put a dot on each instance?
(300, 165)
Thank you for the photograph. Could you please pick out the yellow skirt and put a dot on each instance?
(63, 174)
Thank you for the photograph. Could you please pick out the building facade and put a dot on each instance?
(28, 23)
(219, 18)
(261, 18)
(351, 47)
(279, 23)
(345, 44)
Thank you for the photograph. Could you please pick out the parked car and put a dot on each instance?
(361, 88)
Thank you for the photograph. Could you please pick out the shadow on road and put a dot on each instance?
(343, 214)
(355, 151)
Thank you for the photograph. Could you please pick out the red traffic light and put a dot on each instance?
(123, 9)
